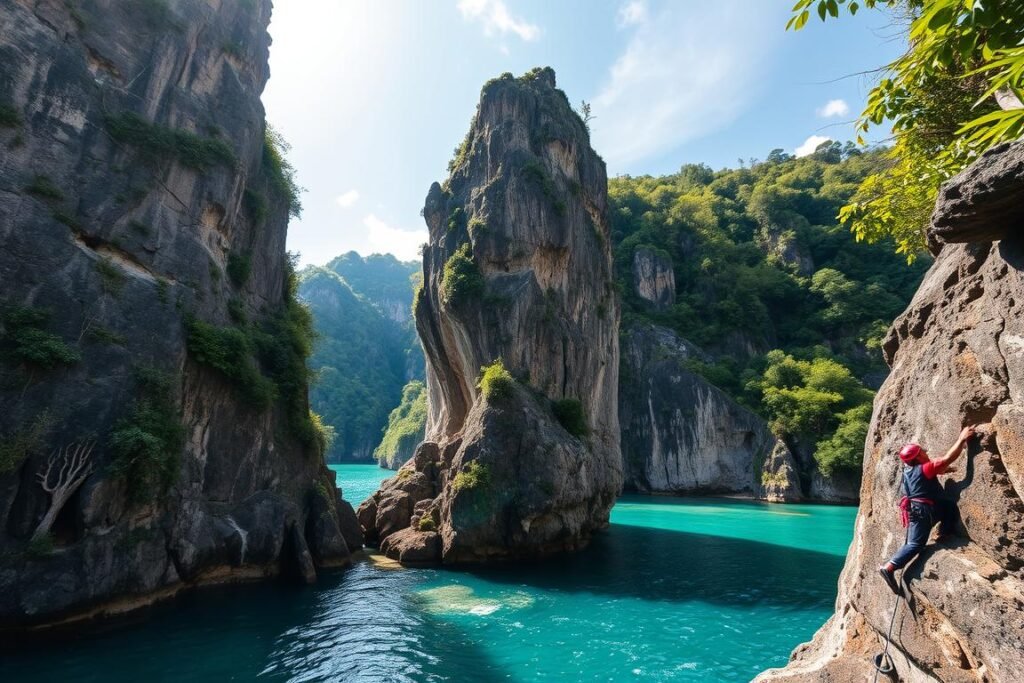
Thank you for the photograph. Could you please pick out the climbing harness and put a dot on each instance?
(905, 502)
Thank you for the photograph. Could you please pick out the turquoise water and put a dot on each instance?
(676, 590)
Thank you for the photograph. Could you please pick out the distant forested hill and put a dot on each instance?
(367, 348)
(751, 265)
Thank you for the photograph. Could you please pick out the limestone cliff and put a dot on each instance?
(683, 435)
(957, 357)
(148, 322)
(518, 269)
(654, 280)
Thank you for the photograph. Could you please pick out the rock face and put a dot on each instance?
(518, 268)
(142, 219)
(957, 357)
(683, 435)
(653, 278)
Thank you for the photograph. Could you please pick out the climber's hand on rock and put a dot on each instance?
(966, 433)
(948, 470)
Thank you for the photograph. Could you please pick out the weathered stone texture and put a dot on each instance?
(957, 358)
(133, 240)
(527, 197)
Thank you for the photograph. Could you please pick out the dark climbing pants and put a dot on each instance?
(922, 518)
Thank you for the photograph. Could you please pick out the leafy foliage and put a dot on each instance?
(805, 397)
(405, 423)
(239, 268)
(939, 97)
(147, 443)
(845, 448)
(279, 171)
(495, 382)
(461, 278)
(230, 350)
(760, 263)
(474, 476)
(570, 414)
(24, 340)
(159, 143)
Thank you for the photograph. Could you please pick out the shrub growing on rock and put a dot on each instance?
(147, 442)
(495, 381)
(461, 278)
(24, 340)
(159, 142)
(473, 476)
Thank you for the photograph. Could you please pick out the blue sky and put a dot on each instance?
(374, 95)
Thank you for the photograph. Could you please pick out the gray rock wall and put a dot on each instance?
(120, 235)
(683, 435)
(518, 268)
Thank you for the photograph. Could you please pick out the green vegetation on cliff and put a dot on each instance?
(160, 143)
(266, 361)
(367, 349)
(461, 279)
(495, 383)
(147, 442)
(405, 425)
(762, 264)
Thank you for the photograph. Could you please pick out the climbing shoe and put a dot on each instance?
(890, 580)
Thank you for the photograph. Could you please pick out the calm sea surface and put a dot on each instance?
(677, 590)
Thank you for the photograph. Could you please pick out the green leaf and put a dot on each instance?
(822, 10)
(801, 20)
(833, 8)
(853, 8)
(941, 18)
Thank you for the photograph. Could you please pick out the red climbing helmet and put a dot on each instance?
(909, 453)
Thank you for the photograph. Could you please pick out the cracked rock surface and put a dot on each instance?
(518, 268)
(957, 358)
(119, 239)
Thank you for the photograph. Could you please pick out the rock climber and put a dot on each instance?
(924, 503)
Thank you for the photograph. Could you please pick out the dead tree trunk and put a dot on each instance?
(73, 464)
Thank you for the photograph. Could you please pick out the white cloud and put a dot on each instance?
(495, 17)
(677, 80)
(347, 199)
(634, 12)
(810, 144)
(384, 239)
(834, 108)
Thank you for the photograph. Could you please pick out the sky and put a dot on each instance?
(374, 95)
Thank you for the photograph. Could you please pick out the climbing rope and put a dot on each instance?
(883, 662)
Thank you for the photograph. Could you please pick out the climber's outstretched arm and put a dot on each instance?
(953, 453)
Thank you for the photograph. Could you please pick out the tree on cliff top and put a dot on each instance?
(941, 97)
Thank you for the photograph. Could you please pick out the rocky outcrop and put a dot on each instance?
(654, 280)
(143, 220)
(957, 358)
(680, 434)
(517, 270)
